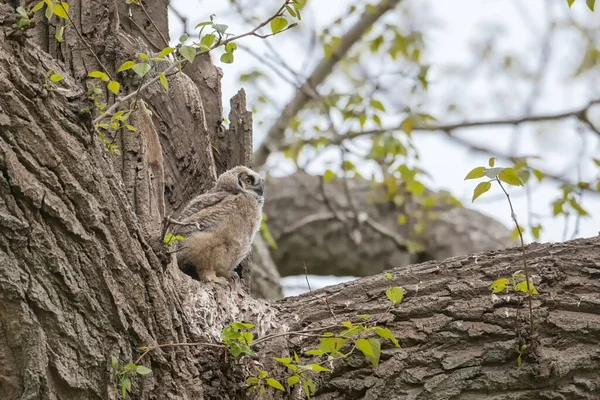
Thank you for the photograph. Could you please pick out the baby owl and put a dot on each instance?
(221, 224)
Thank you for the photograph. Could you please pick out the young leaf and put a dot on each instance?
(499, 285)
(535, 231)
(99, 75)
(59, 34)
(252, 380)
(230, 47)
(275, 383)
(56, 77)
(163, 81)
(125, 66)
(590, 4)
(328, 176)
(365, 347)
(318, 368)
(183, 37)
(285, 361)
(141, 69)
(114, 86)
(188, 52)
(481, 189)
(386, 334)
(207, 40)
(388, 276)
(114, 362)
(570, 2)
(395, 295)
(522, 287)
(315, 352)
(510, 176)
(38, 6)
(475, 173)
(292, 380)
(538, 174)
(166, 51)
(62, 10)
(141, 370)
(125, 386)
(580, 210)
(376, 104)
(242, 325)
(278, 24)
(227, 58)
(492, 162)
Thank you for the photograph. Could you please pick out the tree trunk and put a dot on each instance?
(84, 275)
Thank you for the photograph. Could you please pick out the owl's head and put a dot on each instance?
(242, 179)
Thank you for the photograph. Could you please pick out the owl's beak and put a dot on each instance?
(260, 188)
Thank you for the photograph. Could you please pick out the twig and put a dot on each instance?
(525, 269)
(149, 349)
(60, 3)
(306, 276)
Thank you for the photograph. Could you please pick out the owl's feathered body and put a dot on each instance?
(221, 224)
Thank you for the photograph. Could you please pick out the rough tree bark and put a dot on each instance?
(84, 276)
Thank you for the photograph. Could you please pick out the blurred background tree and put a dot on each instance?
(388, 104)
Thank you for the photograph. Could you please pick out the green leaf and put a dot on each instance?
(207, 40)
(315, 352)
(580, 210)
(510, 176)
(99, 75)
(328, 176)
(163, 81)
(475, 173)
(318, 368)
(285, 360)
(183, 37)
(492, 161)
(166, 51)
(275, 383)
(535, 231)
(386, 334)
(499, 285)
(296, 358)
(252, 380)
(227, 58)
(201, 24)
(125, 386)
(188, 52)
(365, 347)
(56, 77)
(388, 276)
(114, 362)
(481, 189)
(376, 104)
(62, 10)
(130, 367)
(221, 28)
(49, 10)
(492, 172)
(519, 357)
(538, 174)
(143, 56)
(38, 6)
(395, 295)
(292, 380)
(331, 344)
(141, 370)
(590, 4)
(230, 47)
(570, 2)
(114, 86)
(522, 287)
(141, 69)
(125, 66)
(242, 325)
(59, 34)
(278, 24)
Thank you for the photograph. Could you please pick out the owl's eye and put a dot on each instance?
(249, 181)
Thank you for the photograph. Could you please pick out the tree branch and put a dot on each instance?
(275, 135)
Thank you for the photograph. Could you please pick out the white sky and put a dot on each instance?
(517, 27)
